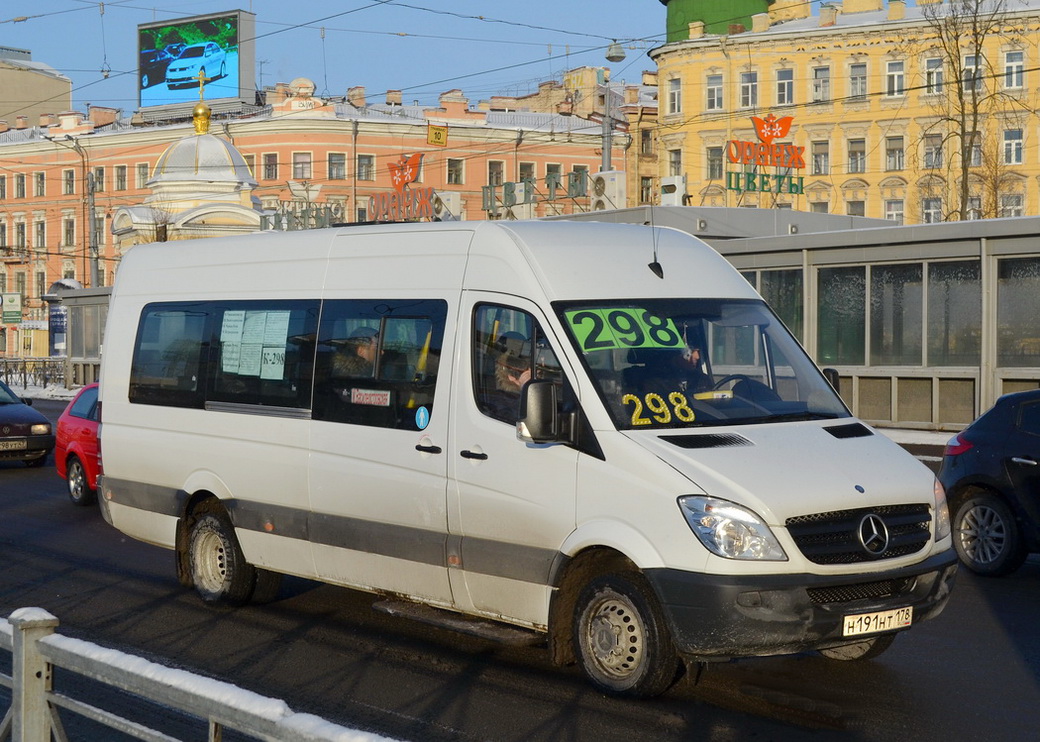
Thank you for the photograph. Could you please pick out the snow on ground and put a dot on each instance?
(40, 392)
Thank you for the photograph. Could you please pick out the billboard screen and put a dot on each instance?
(171, 56)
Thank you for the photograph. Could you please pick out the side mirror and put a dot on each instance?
(538, 421)
(831, 374)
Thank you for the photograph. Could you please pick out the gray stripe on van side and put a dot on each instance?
(479, 555)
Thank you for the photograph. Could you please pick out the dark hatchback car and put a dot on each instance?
(25, 434)
(991, 472)
(152, 66)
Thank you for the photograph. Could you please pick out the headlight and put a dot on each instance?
(729, 530)
(40, 429)
(942, 512)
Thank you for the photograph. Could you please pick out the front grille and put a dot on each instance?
(862, 591)
(834, 538)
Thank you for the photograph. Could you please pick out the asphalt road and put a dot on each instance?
(972, 673)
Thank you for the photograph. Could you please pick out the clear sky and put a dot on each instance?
(421, 47)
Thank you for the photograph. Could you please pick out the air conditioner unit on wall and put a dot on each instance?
(673, 190)
(520, 209)
(608, 190)
(447, 207)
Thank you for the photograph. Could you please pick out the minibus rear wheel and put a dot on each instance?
(219, 570)
(622, 640)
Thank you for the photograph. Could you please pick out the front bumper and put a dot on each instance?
(36, 447)
(716, 617)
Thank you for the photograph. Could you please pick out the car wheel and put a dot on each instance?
(865, 649)
(987, 537)
(219, 570)
(223, 70)
(76, 477)
(267, 586)
(621, 638)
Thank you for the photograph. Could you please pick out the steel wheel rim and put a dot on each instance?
(983, 534)
(210, 561)
(615, 636)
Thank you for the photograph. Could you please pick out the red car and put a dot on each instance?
(76, 450)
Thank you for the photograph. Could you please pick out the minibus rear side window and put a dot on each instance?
(170, 355)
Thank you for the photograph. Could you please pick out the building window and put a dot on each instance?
(972, 73)
(120, 177)
(894, 80)
(496, 172)
(713, 86)
(142, 173)
(894, 153)
(526, 170)
(1011, 204)
(19, 282)
(646, 190)
(975, 150)
(68, 182)
(3, 237)
(1013, 147)
(675, 162)
(974, 208)
(270, 166)
(675, 96)
(19, 186)
(821, 84)
(366, 167)
(818, 207)
(99, 180)
(894, 210)
(1014, 70)
(931, 210)
(337, 166)
(41, 283)
(933, 76)
(858, 81)
(301, 165)
(41, 184)
(748, 89)
(19, 235)
(715, 163)
(646, 142)
(857, 155)
(41, 235)
(933, 154)
(3, 189)
(69, 239)
(856, 208)
(784, 87)
(821, 158)
(455, 171)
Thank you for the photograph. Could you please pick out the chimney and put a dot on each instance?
(896, 10)
(393, 97)
(696, 30)
(3, 126)
(861, 6)
(356, 96)
(759, 22)
(21, 122)
(47, 119)
(102, 115)
(828, 15)
(631, 95)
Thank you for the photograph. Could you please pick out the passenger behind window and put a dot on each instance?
(357, 355)
(511, 371)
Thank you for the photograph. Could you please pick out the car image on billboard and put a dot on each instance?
(172, 56)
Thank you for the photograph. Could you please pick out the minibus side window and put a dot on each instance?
(169, 357)
(263, 353)
(377, 361)
(509, 349)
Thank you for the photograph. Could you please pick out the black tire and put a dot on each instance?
(864, 649)
(621, 638)
(987, 536)
(76, 478)
(223, 70)
(219, 571)
(267, 586)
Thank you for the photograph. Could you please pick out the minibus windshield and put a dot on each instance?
(674, 363)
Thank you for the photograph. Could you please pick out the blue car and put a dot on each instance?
(25, 434)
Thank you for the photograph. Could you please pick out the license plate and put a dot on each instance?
(872, 623)
(12, 445)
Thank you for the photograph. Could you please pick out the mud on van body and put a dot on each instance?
(598, 434)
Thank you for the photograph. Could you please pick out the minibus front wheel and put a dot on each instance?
(621, 637)
(219, 570)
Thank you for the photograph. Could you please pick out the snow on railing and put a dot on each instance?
(29, 635)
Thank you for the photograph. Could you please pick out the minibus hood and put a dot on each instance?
(786, 469)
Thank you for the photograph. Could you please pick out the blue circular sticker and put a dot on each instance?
(422, 418)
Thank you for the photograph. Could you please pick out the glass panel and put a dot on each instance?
(954, 313)
(896, 305)
(783, 291)
(956, 401)
(915, 400)
(875, 398)
(842, 316)
(1018, 306)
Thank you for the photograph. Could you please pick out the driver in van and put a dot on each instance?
(692, 376)
(512, 371)
(357, 357)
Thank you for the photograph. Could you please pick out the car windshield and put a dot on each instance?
(7, 396)
(193, 51)
(675, 363)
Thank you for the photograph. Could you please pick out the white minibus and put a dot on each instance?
(596, 436)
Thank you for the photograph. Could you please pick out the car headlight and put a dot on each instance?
(942, 512)
(40, 429)
(729, 530)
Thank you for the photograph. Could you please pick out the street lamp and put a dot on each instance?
(88, 179)
(614, 54)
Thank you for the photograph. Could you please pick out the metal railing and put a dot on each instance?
(36, 650)
(26, 372)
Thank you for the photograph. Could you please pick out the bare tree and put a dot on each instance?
(961, 31)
